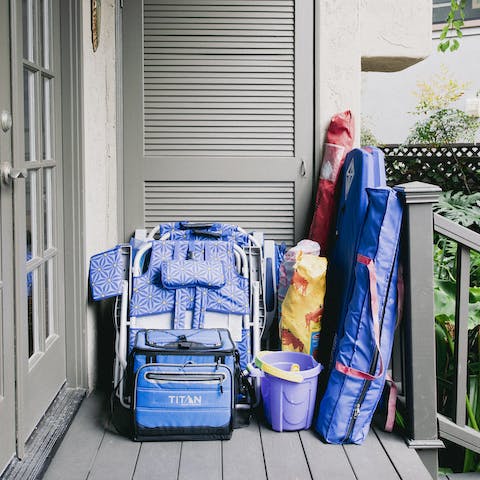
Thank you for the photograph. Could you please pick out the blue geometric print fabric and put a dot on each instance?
(150, 297)
(106, 274)
(219, 231)
(192, 273)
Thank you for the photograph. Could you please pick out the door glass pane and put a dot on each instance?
(49, 326)
(31, 214)
(47, 209)
(32, 296)
(47, 119)
(29, 113)
(27, 13)
(44, 33)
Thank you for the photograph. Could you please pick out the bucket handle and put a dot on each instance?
(292, 376)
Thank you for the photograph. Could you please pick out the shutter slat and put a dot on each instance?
(220, 118)
(202, 95)
(227, 78)
(161, 21)
(169, 135)
(159, 58)
(208, 3)
(226, 31)
(220, 41)
(265, 206)
(250, 123)
(152, 90)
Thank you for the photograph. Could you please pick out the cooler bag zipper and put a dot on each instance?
(178, 377)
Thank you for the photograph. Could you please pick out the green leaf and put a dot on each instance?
(473, 315)
(460, 208)
(474, 296)
(441, 349)
(454, 45)
(443, 46)
(474, 367)
(444, 298)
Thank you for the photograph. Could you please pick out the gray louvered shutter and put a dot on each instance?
(219, 77)
(223, 137)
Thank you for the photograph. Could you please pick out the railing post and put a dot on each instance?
(419, 327)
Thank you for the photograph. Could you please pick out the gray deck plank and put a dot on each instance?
(116, 458)
(326, 462)
(369, 460)
(158, 460)
(80, 445)
(242, 455)
(406, 460)
(90, 452)
(284, 455)
(201, 460)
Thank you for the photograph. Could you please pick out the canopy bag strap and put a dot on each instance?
(353, 372)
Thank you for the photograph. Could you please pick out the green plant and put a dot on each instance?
(441, 123)
(460, 208)
(367, 138)
(446, 126)
(463, 209)
(454, 22)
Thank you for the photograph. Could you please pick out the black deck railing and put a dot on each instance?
(414, 356)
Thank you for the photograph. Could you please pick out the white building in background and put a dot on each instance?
(388, 97)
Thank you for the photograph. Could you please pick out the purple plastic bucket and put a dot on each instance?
(290, 405)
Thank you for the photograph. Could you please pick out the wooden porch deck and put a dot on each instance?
(91, 450)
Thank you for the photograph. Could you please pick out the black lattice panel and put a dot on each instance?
(453, 167)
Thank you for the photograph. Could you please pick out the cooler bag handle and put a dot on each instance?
(353, 372)
(190, 225)
(181, 342)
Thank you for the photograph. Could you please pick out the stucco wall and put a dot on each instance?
(99, 150)
(387, 98)
(338, 70)
(394, 35)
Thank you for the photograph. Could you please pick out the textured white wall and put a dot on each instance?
(387, 98)
(338, 69)
(394, 35)
(99, 146)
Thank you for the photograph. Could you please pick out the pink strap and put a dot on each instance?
(353, 372)
(392, 404)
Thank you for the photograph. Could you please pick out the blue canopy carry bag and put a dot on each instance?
(366, 332)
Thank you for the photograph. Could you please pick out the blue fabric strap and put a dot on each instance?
(181, 296)
(180, 309)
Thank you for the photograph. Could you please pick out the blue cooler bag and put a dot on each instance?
(183, 384)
